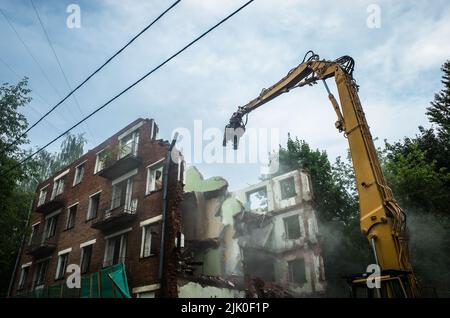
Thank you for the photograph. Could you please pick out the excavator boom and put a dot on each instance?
(381, 219)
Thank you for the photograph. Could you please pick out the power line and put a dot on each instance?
(27, 48)
(59, 65)
(39, 114)
(93, 73)
(135, 83)
(41, 69)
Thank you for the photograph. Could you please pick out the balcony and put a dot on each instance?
(117, 217)
(126, 161)
(41, 247)
(54, 204)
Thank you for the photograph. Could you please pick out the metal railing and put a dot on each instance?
(130, 208)
(41, 239)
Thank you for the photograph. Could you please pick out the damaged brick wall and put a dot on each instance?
(169, 283)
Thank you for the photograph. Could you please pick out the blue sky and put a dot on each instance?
(397, 66)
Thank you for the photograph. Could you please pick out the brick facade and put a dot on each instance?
(141, 272)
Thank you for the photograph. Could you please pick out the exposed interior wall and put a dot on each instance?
(196, 290)
(208, 215)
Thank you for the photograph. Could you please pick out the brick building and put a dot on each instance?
(107, 208)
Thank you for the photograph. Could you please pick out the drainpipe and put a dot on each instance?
(165, 206)
(11, 282)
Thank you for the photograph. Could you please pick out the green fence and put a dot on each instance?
(110, 282)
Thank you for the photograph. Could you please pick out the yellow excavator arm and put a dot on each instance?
(381, 219)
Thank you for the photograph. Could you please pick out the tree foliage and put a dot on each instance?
(45, 163)
(13, 202)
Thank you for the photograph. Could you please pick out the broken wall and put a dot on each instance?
(284, 230)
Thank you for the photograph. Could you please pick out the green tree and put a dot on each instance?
(13, 201)
(45, 164)
(439, 111)
(417, 169)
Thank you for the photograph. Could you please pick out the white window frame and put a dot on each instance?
(107, 260)
(77, 173)
(89, 211)
(154, 132)
(146, 252)
(48, 220)
(151, 169)
(68, 215)
(42, 198)
(23, 278)
(58, 187)
(82, 249)
(129, 189)
(60, 272)
(146, 225)
(128, 194)
(97, 167)
(33, 232)
(134, 141)
(36, 273)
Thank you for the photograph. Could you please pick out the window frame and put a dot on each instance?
(286, 226)
(128, 188)
(97, 168)
(156, 166)
(38, 271)
(58, 187)
(151, 225)
(285, 180)
(69, 210)
(43, 190)
(83, 249)
(52, 226)
(88, 214)
(77, 173)
(61, 272)
(23, 277)
(123, 237)
(134, 143)
(291, 274)
(255, 191)
(147, 238)
(33, 232)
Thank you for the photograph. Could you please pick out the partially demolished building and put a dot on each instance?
(262, 239)
(278, 234)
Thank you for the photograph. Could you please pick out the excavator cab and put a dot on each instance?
(393, 284)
